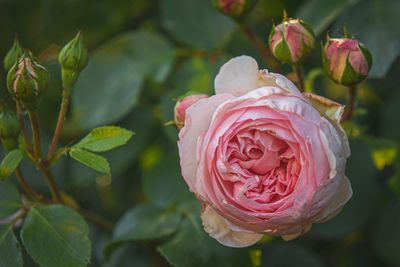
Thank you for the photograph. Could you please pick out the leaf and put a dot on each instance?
(320, 14)
(386, 235)
(146, 221)
(10, 199)
(276, 255)
(193, 247)
(375, 24)
(90, 159)
(104, 138)
(209, 30)
(56, 236)
(10, 163)
(163, 178)
(10, 251)
(108, 87)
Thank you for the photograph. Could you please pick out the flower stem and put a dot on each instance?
(25, 134)
(37, 151)
(51, 182)
(61, 117)
(300, 78)
(349, 110)
(260, 47)
(31, 193)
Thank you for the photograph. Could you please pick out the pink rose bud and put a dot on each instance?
(182, 105)
(346, 61)
(234, 8)
(291, 41)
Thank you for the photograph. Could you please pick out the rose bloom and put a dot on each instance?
(262, 158)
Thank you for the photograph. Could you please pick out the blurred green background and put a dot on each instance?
(145, 54)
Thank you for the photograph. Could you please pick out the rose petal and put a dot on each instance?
(239, 76)
(217, 228)
(198, 118)
(326, 107)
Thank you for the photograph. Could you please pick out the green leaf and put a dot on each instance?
(56, 236)
(375, 24)
(209, 30)
(320, 14)
(10, 163)
(277, 255)
(10, 251)
(10, 199)
(165, 177)
(193, 247)
(105, 138)
(90, 159)
(146, 221)
(386, 235)
(108, 87)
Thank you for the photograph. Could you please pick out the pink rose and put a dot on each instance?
(262, 158)
(181, 107)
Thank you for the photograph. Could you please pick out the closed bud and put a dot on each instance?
(9, 127)
(291, 41)
(236, 9)
(27, 81)
(13, 55)
(346, 61)
(182, 105)
(73, 58)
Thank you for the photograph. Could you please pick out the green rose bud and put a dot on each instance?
(346, 61)
(291, 41)
(73, 58)
(9, 127)
(13, 55)
(27, 81)
(236, 9)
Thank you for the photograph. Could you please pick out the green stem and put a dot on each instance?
(37, 151)
(51, 182)
(260, 47)
(349, 110)
(31, 193)
(61, 117)
(300, 78)
(25, 134)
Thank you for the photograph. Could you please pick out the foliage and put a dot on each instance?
(130, 206)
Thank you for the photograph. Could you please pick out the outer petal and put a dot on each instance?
(239, 76)
(328, 108)
(217, 227)
(198, 118)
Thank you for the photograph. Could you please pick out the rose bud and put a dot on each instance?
(13, 55)
(9, 127)
(27, 80)
(236, 9)
(182, 105)
(73, 58)
(291, 41)
(346, 61)
(262, 158)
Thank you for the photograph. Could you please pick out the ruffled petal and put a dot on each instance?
(218, 228)
(198, 118)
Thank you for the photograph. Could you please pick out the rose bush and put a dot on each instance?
(261, 157)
